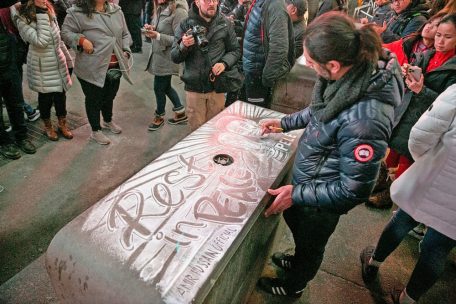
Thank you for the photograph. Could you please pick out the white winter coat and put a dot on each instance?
(47, 68)
(427, 190)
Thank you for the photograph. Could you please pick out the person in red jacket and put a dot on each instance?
(406, 50)
(418, 42)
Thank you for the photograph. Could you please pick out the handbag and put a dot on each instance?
(113, 75)
(229, 81)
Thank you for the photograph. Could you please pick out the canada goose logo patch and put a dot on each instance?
(364, 153)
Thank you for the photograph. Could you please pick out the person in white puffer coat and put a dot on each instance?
(425, 193)
(48, 61)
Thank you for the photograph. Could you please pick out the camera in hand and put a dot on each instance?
(199, 33)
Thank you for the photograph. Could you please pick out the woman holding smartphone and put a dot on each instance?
(168, 14)
(406, 50)
(438, 68)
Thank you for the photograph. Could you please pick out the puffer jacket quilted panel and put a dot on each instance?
(47, 68)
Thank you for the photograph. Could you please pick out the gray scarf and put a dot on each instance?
(329, 98)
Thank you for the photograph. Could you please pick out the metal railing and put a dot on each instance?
(365, 10)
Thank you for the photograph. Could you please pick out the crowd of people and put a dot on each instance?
(384, 101)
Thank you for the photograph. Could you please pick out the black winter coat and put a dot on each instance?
(435, 82)
(407, 22)
(131, 7)
(223, 47)
(337, 162)
(8, 51)
(273, 57)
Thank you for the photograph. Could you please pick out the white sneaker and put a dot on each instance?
(100, 138)
(111, 126)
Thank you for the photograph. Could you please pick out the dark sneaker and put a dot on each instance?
(34, 115)
(26, 146)
(380, 200)
(282, 260)
(276, 287)
(10, 151)
(8, 128)
(156, 124)
(369, 272)
(178, 118)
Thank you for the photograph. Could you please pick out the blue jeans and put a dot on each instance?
(28, 109)
(163, 88)
(434, 250)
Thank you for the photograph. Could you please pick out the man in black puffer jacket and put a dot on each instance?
(268, 49)
(207, 44)
(11, 92)
(338, 158)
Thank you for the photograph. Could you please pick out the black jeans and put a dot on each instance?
(46, 100)
(99, 100)
(311, 229)
(434, 250)
(163, 88)
(134, 27)
(11, 92)
(255, 92)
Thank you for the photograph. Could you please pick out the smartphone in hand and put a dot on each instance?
(414, 72)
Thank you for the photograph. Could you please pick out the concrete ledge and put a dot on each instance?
(169, 233)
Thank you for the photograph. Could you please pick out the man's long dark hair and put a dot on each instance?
(333, 36)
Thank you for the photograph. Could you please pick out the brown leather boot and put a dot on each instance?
(49, 130)
(63, 128)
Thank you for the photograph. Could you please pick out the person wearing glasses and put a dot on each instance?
(407, 17)
(207, 45)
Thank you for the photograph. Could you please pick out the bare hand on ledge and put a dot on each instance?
(282, 202)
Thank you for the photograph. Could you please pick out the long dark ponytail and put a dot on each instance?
(334, 36)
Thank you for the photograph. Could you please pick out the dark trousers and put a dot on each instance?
(46, 100)
(256, 93)
(134, 27)
(11, 93)
(99, 100)
(163, 88)
(434, 250)
(311, 229)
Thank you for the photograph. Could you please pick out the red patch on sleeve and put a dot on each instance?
(364, 153)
